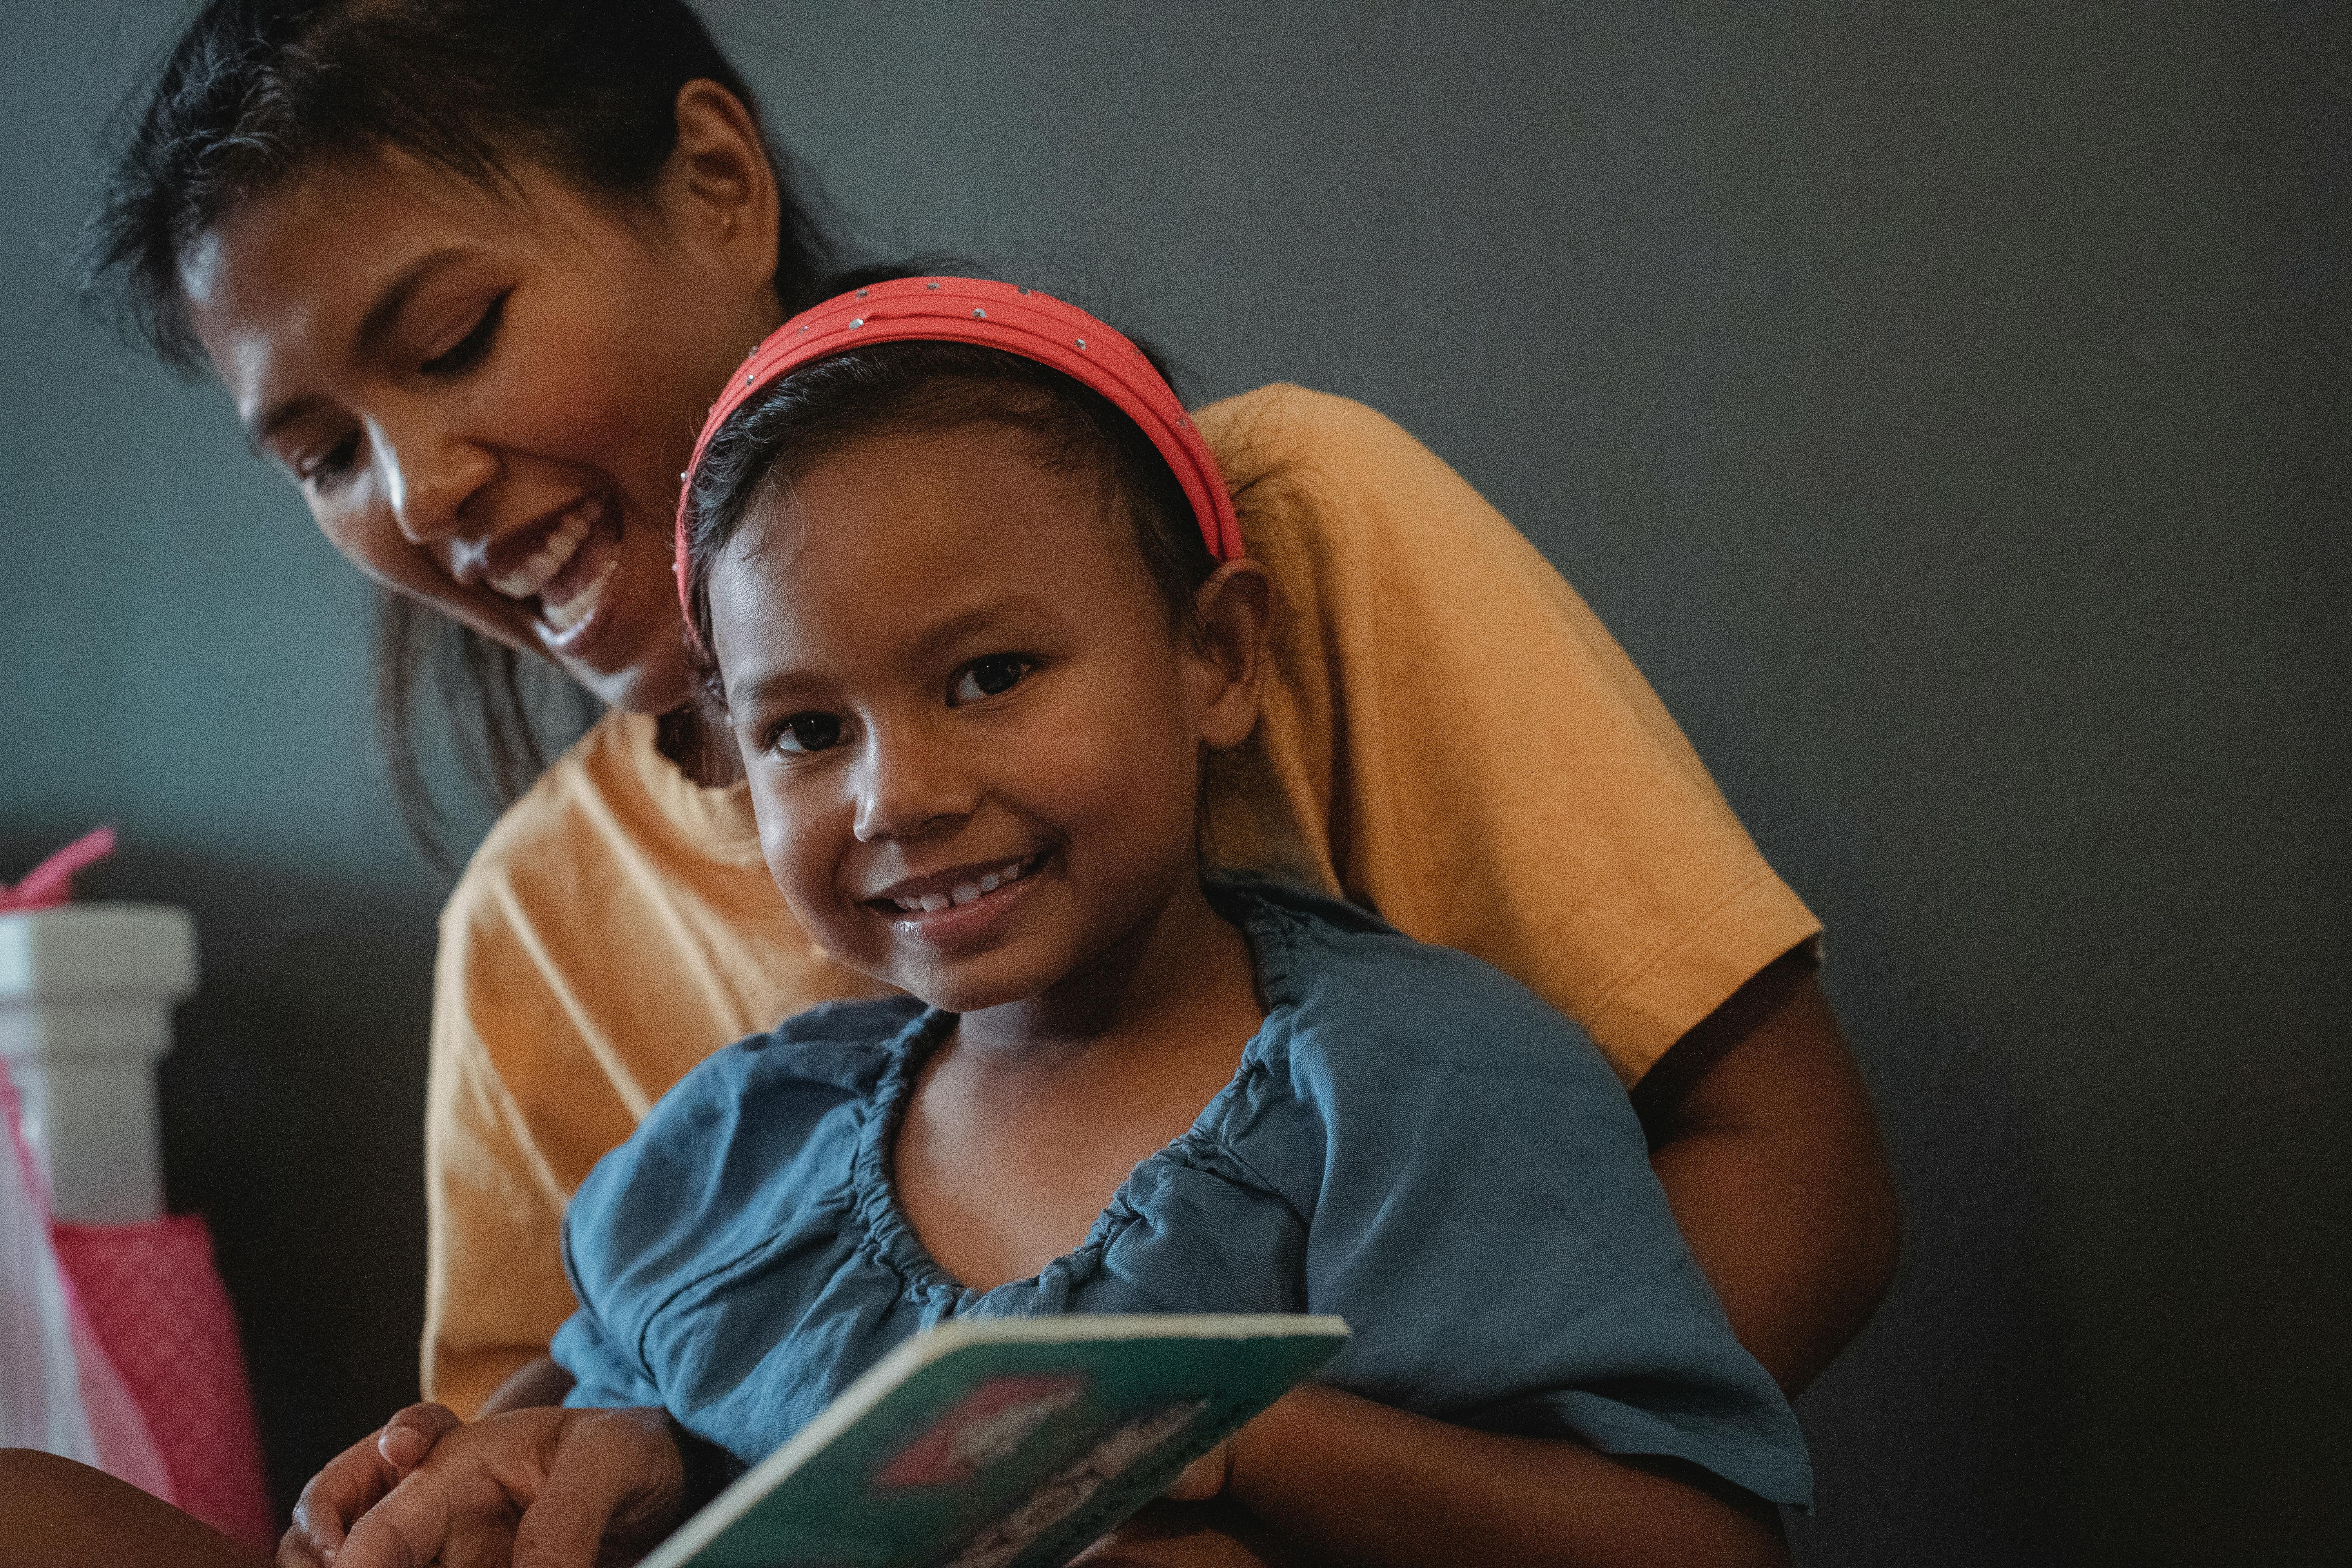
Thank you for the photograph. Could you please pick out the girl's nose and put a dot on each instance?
(909, 786)
(428, 474)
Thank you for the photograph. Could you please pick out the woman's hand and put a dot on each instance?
(538, 1488)
(356, 1479)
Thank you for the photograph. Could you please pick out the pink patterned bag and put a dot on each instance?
(158, 1308)
(118, 1342)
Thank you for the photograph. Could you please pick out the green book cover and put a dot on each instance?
(1002, 1443)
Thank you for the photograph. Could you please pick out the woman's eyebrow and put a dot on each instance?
(372, 329)
(377, 324)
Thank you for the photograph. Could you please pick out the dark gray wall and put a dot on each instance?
(1945, 403)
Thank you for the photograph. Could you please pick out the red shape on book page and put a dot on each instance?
(979, 1430)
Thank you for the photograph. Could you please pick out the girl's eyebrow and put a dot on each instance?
(764, 686)
(979, 618)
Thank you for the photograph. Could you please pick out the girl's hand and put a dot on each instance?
(541, 1487)
(1205, 1478)
(356, 1479)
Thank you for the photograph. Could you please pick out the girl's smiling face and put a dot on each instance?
(971, 733)
(486, 397)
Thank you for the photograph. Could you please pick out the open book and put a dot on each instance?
(1002, 1443)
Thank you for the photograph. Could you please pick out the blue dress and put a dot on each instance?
(1414, 1141)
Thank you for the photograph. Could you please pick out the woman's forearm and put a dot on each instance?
(532, 1385)
(1762, 1134)
(1360, 1483)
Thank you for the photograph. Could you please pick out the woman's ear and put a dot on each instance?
(1233, 612)
(719, 190)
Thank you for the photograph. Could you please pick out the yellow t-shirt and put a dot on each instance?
(1449, 736)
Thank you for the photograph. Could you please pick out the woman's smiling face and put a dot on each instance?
(486, 397)
(971, 733)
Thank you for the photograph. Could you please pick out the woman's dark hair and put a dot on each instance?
(929, 388)
(256, 92)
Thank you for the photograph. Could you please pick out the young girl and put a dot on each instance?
(971, 595)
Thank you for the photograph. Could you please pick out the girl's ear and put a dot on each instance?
(1233, 612)
(718, 191)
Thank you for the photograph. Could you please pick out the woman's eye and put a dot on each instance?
(467, 352)
(990, 677)
(808, 733)
(332, 466)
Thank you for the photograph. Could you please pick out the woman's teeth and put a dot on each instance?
(963, 892)
(546, 560)
(571, 611)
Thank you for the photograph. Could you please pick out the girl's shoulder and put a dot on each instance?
(747, 1153)
(834, 1052)
(1329, 969)
(745, 1125)
(1385, 1062)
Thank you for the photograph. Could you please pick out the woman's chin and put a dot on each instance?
(637, 689)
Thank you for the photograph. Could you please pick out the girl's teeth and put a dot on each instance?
(961, 894)
(582, 605)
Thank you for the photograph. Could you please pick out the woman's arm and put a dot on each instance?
(1361, 1483)
(1762, 1134)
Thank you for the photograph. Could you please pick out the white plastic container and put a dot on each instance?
(86, 995)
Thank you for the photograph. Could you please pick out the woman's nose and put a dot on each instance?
(910, 784)
(428, 474)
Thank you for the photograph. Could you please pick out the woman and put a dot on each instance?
(472, 273)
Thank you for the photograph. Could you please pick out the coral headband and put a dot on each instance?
(998, 316)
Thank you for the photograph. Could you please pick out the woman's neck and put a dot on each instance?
(700, 749)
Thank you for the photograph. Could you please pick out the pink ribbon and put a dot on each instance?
(51, 882)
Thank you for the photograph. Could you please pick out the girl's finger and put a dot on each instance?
(479, 1543)
(563, 1529)
(346, 1487)
(1204, 1478)
(406, 1529)
(410, 1434)
(614, 1462)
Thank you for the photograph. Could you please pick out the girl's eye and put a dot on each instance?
(467, 352)
(990, 677)
(808, 733)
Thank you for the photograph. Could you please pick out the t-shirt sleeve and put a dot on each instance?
(1450, 736)
(1483, 1215)
(495, 1289)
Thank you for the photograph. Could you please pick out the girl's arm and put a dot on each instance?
(1363, 1483)
(1761, 1133)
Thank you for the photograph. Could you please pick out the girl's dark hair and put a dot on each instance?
(256, 92)
(930, 388)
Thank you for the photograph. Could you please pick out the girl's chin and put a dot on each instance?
(955, 989)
